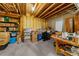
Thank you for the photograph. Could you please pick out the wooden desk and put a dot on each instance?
(63, 41)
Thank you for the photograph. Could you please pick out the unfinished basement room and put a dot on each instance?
(39, 29)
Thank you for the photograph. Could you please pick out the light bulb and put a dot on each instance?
(33, 8)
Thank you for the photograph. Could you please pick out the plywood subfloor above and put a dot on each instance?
(47, 10)
(41, 10)
(13, 9)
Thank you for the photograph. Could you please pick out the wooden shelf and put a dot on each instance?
(63, 41)
(9, 26)
(66, 53)
(8, 22)
(9, 31)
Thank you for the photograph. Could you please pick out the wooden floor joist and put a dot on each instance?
(42, 6)
(37, 8)
(3, 7)
(10, 15)
(41, 10)
(53, 10)
(59, 10)
(46, 10)
(15, 7)
(64, 12)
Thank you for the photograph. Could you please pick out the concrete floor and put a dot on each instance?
(30, 49)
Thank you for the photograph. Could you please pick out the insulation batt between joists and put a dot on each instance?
(29, 21)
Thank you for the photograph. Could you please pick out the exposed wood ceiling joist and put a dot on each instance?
(37, 8)
(35, 5)
(14, 8)
(10, 15)
(42, 11)
(59, 10)
(3, 8)
(69, 10)
(53, 10)
(21, 8)
(18, 7)
(42, 6)
(46, 10)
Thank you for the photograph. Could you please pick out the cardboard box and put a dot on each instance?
(4, 36)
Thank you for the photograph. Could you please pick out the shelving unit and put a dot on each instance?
(4, 38)
(66, 53)
(8, 25)
(60, 50)
(11, 26)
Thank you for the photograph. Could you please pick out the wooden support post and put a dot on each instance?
(21, 29)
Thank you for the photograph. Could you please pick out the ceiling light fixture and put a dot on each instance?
(33, 8)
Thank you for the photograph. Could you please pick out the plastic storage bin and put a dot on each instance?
(12, 40)
(6, 19)
(39, 37)
(2, 47)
